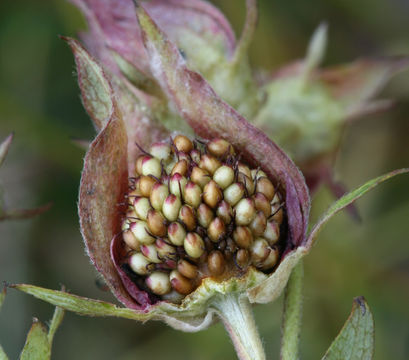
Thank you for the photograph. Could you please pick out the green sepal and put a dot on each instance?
(37, 346)
(356, 339)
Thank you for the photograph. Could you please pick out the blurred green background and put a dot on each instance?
(39, 100)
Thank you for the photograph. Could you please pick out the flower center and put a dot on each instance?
(196, 211)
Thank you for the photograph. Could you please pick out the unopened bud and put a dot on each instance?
(242, 258)
(259, 251)
(188, 217)
(277, 214)
(187, 269)
(176, 234)
(195, 156)
(151, 253)
(158, 195)
(139, 162)
(194, 245)
(130, 240)
(177, 184)
(262, 204)
(234, 193)
(183, 143)
(265, 187)
(180, 167)
(171, 207)
(245, 211)
(192, 194)
(141, 207)
(212, 194)
(272, 232)
(216, 263)
(146, 184)
(271, 259)
(224, 176)
(141, 232)
(243, 237)
(139, 263)
(200, 176)
(156, 223)
(244, 169)
(209, 163)
(220, 148)
(151, 166)
(225, 212)
(159, 283)
(164, 249)
(160, 150)
(204, 215)
(257, 173)
(247, 182)
(180, 283)
(216, 229)
(258, 225)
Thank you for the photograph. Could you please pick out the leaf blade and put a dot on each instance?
(356, 338)
(348, 199)
(37, 346)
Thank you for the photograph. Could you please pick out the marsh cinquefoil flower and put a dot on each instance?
(188, 224)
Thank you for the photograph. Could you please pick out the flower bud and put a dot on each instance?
(277, 213)
(139, 264)
(247, 182)
(141, 207)
(151, 253)
(242, 258)
(146, 184)
(158, 195)
(245, 211)
(212, 194)
(180, 168)
(141, 232)
(243, 237)
(216, 263)
(171, 207)
(188, 217)
(187, 269)
(272, 232)
(160, 151)
(177, 184)
(176, 233)
(204, 215)
(192, 194)
(220, 148)
(156, 223)
(225, 212)
(151, 166)
(164, 249)
(216, 229)
(259, 251)
(200, 177)
(139, 162)
(234, 193)
(265, 187)
(224, 176)
(262, 204)
(209, 163)
(258, 225)
(244, 169)
(195, 155)
(182, 143)
(180, 283)
(257, 174)
(159, 283)
(130, 240)
(194, 245)
(271, 259)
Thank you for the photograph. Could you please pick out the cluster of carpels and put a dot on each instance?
(195, 210)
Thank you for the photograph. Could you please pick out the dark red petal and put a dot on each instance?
(210, 117)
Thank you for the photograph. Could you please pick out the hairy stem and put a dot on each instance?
(237, 317)
(292, 315)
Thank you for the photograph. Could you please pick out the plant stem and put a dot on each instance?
(237, 317)
(292, 315)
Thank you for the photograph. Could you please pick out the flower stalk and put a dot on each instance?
(237, 316)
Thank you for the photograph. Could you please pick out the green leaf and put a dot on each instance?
(37, 346)
(4, 147)
(81, 305)
(3, 355)
(349, 199)
(356, 339)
